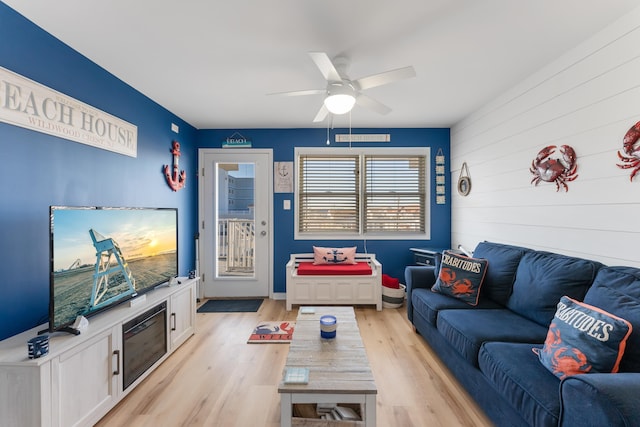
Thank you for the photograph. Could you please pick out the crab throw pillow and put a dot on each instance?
(583, 339)
(460, 277)
(334, 255)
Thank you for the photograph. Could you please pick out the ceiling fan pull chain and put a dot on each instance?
(350, 139)
(328, 142)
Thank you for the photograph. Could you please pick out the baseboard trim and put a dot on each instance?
(279, 296)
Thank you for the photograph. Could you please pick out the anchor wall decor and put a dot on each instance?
(175, 180)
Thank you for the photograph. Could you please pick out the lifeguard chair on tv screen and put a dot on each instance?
(106, 248)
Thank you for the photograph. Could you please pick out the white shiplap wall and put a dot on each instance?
(588, 99)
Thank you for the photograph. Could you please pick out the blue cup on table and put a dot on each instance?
(328, 326)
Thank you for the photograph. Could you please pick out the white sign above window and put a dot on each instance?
(363, 137)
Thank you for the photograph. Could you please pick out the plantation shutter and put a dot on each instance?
(329, 193)
(394, 194)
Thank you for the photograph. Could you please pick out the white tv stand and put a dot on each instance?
(80, 379)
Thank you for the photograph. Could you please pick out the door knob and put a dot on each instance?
(263, 233)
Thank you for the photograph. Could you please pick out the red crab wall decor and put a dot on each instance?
(631, 159)
(558, 171)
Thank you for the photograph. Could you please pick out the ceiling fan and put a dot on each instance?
(342, 93)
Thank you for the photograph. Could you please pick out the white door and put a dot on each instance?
(235, 209)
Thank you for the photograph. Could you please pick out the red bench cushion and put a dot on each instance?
(311, 269)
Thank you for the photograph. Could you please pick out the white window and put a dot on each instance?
(351, 193)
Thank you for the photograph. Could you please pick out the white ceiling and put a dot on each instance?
(213, 62)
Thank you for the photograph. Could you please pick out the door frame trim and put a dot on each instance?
(212, 151)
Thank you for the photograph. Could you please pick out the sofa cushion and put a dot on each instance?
(501, 271)
(617, 290)
(543, 278)
(430, 303)
(515, 372)
(467, 330)
(582, 339)
(460, 277)
(600, 400)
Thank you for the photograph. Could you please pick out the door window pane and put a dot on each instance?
(235, 219)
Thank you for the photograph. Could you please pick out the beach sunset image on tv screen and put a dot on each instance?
(102, 256)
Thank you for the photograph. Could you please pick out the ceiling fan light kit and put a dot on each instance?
(339, 104)
(340, 98)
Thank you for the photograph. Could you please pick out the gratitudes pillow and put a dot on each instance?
(334, 255)
(582, 339)
(460, 277)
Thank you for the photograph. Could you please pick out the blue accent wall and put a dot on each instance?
(393, 254)
(40, 170)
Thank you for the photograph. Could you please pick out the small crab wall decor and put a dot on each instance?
(631, 157)
(558, 170)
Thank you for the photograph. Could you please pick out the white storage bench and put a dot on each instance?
(334, 289)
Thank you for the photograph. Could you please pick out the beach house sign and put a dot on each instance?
(31, 105)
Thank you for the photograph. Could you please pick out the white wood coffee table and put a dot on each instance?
(339, 370)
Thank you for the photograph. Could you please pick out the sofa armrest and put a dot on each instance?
(417, 276)
(600, 399)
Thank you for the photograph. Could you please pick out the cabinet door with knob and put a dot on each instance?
(182, 316)
(85, 379)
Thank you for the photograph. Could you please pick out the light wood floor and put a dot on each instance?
(216, 379)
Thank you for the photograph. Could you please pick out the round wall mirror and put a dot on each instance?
(464, 181)
(464, 185)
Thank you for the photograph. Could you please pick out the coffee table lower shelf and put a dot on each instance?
(367, 404)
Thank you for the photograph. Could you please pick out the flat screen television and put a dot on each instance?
(103, 256)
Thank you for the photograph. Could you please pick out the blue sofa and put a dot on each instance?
(488, 347)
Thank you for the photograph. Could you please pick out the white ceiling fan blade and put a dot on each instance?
(325, 66)
(372, 104)
(385, 78)
(301, 92)
(322, 113)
